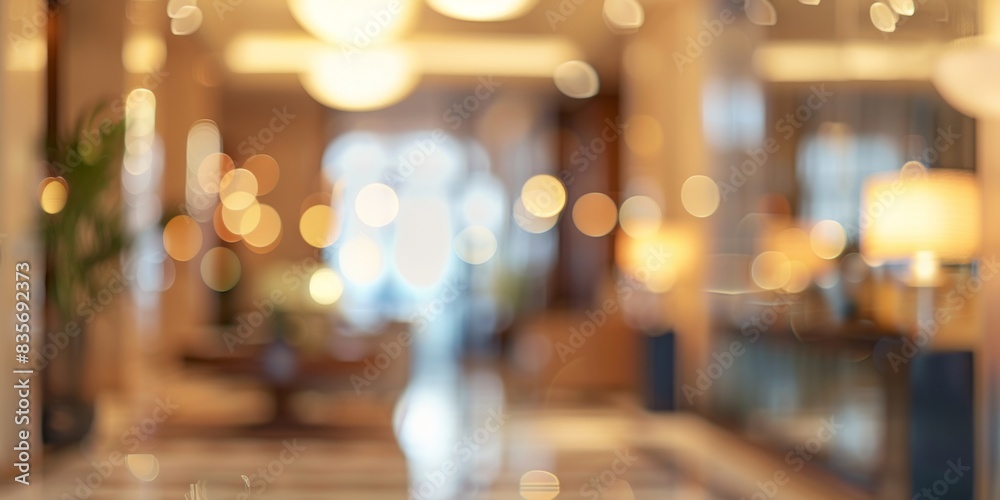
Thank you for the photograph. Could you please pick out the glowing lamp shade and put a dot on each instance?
(371, 79)
(480, 10)
(968, 77)
(934, 212)
(354, 23)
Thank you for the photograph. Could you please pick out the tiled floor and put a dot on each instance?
(588, 446)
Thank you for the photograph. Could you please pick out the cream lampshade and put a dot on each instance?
(927, 215)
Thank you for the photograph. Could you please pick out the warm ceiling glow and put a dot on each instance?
(265, 169)
(186, 20)
(53, 194)
(845, 61)
(968, 77)
(325, 286)
(319, 226)
(771, 270)
(356, 24)
(577, 79)
(482, 10)
(595, 214)
(238, 189)
(532, 223)
(371, 79)
(360, 260)
(221, 269)
(700, 196)
(212, 169)
(475, 245)
(376, 205)
(242, 221)
(828, 239)
(640, 216)
(182, 238)
(267, 231)
(143, 52)
(543, 196)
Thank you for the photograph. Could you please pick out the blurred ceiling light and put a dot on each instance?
(319, 226)
(577, 79)
(644, 135)
(360, 260)
(968, 77)
(498, 55)
(903, 7)
(238, 189)
(265, 169)
(761, 12)
(771, 270)
(700, 196)
(480, 10)
(212, 169)
(140, 125)
(657, 258)
(543, 196)
(372, 79)
(143, 52)
(267, 230)
(828, 239)
(475, 245)
(809, 2)
(530, 222)
(186, 20)
(851, 61)
(241, 222)
(325, 286)
(53, 194)
(883, 17)
(221, 269)
(352, 23)
(376, 205)
(423, 240)
(640, 216)
(595, 214)
(182, 238)
(623, 16)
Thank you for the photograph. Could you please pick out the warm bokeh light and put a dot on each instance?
(543, 196)
(595, 214)
(241, 222)
(203, 140)
(143, 52)
(494, 10)
(799, 277)
(182, 238)
(212, 169)
(903, 7)
(368, 80)
(640, 216)
(883, 17)
(577, 79)
(771, 270)
(700, 196)
(319, 226)
(325, 286)
(828, 239)
(53, 194)
(967, 76)
(265, 169)
(186, 20)
(530, 222)
(267, 231)
(624, 16)
(475, 245)
(360, 260)
(221, 269)
(142, 466)
(657, 259)
(238, 189)
(219, 223)
(355, 24)
(376, 205)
